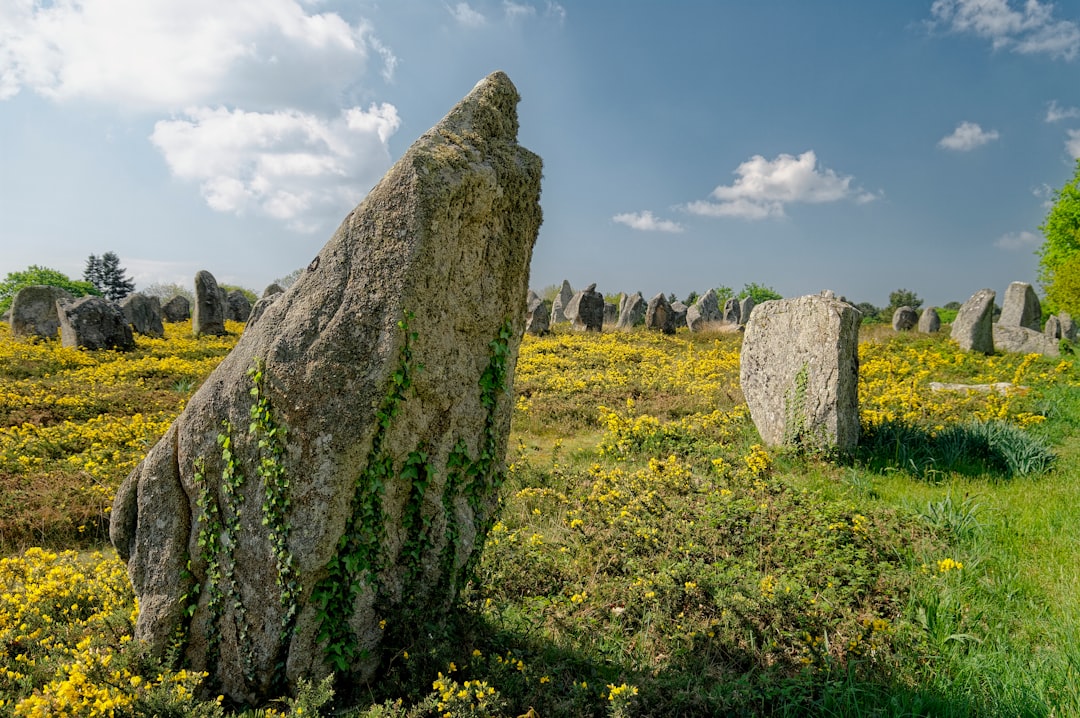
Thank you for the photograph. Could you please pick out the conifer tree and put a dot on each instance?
(106, 274)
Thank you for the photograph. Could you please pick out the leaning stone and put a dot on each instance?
(1010, 338)
(588, 310)
(208, 316)
(94, 323)
(1068, 327)
(34, 312)
(237, 306)
(658, 315)
(177, 309)
(973, 327)
(143, 313)
(904, 318)
(1021, 307)
(800, 372)
(731, 311)
(929, 321)
(537, 317)
(745, 307)
(339, 531)
(1052, 330)
(558, 305)
(632, 313)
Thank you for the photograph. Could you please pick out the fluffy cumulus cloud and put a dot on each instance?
(1018, 240)
(764, 187)
(1029, 28)
(286, 148)
(967, 136)
(646, 222)
(289, 165)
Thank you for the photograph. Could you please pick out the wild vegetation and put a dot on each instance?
(650, 558)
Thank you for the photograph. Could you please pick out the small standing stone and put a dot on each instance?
(588, 310)
(1021, 307)
(973, 327)
(731, 311)
(177, 309)
(632, 313)
(209, 314)
(537, 317)
(1068, 327)
(659, 315)
(1053, 328)
(143, 313)
(237, 306)
(704, 312)
(904, 318)
(94, 323)
(929, 321)
(679, 313)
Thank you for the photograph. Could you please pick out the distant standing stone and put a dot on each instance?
(929, 321)
(588, 310)
(272, 288)
(1068, 327)
(611, 313)
(659, 316)
(34, 312)
(904, 318)
(745, 307)
(704, 312)
(177, 309)
(558, 305)
(632, 313)
(679, 310)
(1053, 328)
(537, 317)
(237, 306)
(973, 328)
(799, 371)
(208, 316)
(731, 311)
(94, 323)
(1021, 307)
(143, 313)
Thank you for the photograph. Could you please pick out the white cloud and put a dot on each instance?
(646, 222)
(288, 165)
(515, 11)
(172, 54)
(465, 15)
(764, 187)
(1072, 145)
(967, 136)
(557, 11)
(1056, 113)
(1018, 240)
(1029, 30)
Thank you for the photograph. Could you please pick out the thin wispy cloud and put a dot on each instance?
(763, 188)
(646, 222)
(1057, 113)
(518, 11)
(966, 137)
(467, 16)
(1072, 145)
(1018, 240)
(1028, 29)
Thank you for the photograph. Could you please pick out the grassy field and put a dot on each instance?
(651, 558)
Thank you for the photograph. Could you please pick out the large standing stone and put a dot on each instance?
(659, 316)
(904, 319)
(537, 318)
(587, 308)
(558, 305)
(344, 528)
(1011, 338)
(800, 372)
(94, 323)
(34, 312)
(1021, 307)
(143, 313)
(731, 311)
(973, 327)
(208, 317)
(632, 312)
(704, 312)
(237, 306)
(929, 321)
(177, 309)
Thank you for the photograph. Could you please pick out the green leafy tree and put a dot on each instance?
(690, 299)
(249, 293)
(870, 313)
(166, 291)
(1062, 232)
(758, 292)
(1064, 293)
(724, 293)
(289, 279)
(35, 274)
(902, 298)
(106, 274)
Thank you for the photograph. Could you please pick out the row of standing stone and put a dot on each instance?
(586, 310)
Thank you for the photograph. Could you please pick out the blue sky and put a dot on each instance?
(857, 146)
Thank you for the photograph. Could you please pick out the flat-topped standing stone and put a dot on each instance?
(1021, 307)
(382, 389)
(94, 323)
(632, 312)
(973, 327)
(143, 313)
(558, 305)
(177, 309)
(659, 316)
(799, 371)
(929, 321)
(904, 319)
(208, 316)
(34, 312)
